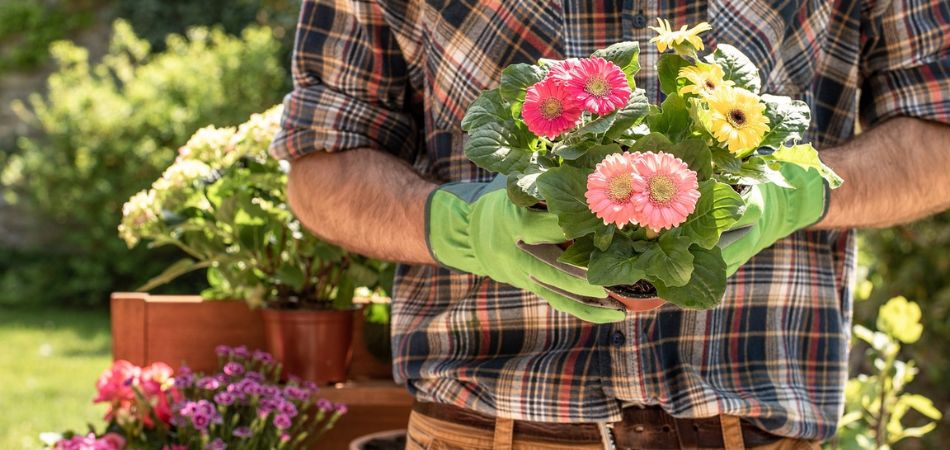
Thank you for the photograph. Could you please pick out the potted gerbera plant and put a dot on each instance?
(223, 203)
(642, 192)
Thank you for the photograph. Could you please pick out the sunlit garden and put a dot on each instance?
(134, 158)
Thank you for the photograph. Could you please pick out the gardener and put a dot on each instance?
(372, 127)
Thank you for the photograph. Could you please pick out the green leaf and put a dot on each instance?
(290, 275)
(788, 120)
(759, 170)
(597, 126)
(696, 155)
(725, 161)
(668, 71)
(572, 150)
(603, 236)
(177, 269)
(523, 188)
(922, 405)
(595, 155)
(495, 148)
(617, 265)
(804, 155)
(578, 254)
(653, 142)
(718, 208)
(669, 261)
(737, 67)
(672, 119)
(489, 107)
(636, 110)
(563, 189)
(516, 79)
(706, 286)
(626, 56)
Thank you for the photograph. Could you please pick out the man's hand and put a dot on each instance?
(774, 212)
(474, 228)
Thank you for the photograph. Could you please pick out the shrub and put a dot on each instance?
(104, 131)
(27, 29)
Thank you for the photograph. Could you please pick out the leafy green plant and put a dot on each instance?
(876, 404)
(223, 203)
(27, 29)
(103, 131)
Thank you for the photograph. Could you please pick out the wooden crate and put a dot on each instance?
(186, 329)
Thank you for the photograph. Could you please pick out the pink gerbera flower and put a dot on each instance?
(610, 189)
(599, 85)
(563, 71)
(549, 109)
(665, 191)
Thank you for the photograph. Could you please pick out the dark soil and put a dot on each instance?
(396, 443)
(640, 289)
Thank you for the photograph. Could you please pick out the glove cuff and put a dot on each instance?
(447, 231)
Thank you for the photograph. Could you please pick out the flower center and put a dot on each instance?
(737, 117)
(551, 108)
(620, 188)
(710, 85)
(596, 86)
(662, 189)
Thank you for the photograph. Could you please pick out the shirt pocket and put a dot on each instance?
(784, 39)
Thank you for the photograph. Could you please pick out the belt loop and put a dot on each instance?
(504, 434)
(731, 433)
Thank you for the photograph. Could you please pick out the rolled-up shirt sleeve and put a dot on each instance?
(350, 84)
(906, 67)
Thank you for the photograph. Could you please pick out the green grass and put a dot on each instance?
(49, 362)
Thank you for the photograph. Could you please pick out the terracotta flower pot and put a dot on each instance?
(640, 297)
(313, 345)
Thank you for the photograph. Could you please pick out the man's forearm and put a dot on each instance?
(364, 200)
(895, 173)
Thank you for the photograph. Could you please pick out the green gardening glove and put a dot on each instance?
(475, 228)
(774, 212)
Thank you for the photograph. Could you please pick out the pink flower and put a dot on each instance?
(115, 383)
(549, 110)
(665, 191)
(610, 189)
(563, 71)
(599, 85)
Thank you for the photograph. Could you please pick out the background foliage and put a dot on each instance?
(103, 131)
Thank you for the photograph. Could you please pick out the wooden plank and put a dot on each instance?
(128, 327)
(375, 392)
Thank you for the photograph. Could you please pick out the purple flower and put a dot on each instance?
(216, 444)
(187, 409)
(296, 393)
(340, 408)
(206, 407)
(256, 376)
(287, 408)
(270, 391)
(310, 386)
(223, 351)
(209, 383)
(241, 352)
(248, 387)
(233, 369)
(224, 398)
(324, 404)
(282, 421)
(183, 381)
(263, 357)
(200, 420)
(266, 406)
(242, 432)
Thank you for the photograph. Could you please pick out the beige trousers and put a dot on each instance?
(430, 434)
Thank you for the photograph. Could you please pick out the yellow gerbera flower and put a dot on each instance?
(684, 42)
(737, 118)
(706, 78)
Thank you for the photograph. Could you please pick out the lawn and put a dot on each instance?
(49, 362)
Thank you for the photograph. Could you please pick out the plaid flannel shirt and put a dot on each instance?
(398, 75)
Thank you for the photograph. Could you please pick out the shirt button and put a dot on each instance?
(639, 20)
(619, 339)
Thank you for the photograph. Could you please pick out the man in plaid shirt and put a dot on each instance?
(372, 129)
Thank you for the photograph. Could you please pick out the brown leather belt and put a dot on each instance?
(641, 428)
